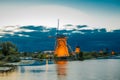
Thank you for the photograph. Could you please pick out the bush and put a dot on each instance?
(2, 56)
(87, 56)
(12, 58)
(8, 48)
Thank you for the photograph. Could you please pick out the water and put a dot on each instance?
(103, 69)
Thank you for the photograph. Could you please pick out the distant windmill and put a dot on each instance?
(61, 48)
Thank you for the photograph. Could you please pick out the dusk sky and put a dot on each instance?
(94, 13)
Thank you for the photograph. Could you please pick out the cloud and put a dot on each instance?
(1, 36)
(81, 26)
(117, 31)
(46, 30)
(32, 28)
(78, 32)
(68, 25)
(22, 35)
(13, 29)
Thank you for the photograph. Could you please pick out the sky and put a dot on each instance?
(94, 13)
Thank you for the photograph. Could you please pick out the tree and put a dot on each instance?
(8, 48)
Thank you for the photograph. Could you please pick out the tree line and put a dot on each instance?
(9, 52)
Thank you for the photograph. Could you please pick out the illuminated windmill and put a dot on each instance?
(61, 48)
(77, 50)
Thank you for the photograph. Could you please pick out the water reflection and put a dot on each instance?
(22, 70)
(46, 66)
(9, 75)
(34, 68)
(61, 68)
(68, 70)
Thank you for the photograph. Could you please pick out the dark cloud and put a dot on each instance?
(116, 31)
(91, 39)
(36, 28)
(81, 26)
(68, 25)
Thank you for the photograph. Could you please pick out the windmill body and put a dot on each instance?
(61, 49)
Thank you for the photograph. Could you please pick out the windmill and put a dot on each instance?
(61, 48)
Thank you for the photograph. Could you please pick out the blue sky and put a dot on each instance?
(105, 12)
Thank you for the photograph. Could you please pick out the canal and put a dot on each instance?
(100, 69)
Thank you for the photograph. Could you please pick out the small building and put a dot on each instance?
(49, 54)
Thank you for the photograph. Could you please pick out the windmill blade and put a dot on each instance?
(57, 28)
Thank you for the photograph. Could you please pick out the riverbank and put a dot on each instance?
(7, 68)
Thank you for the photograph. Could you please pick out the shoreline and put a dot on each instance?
(7, 68)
